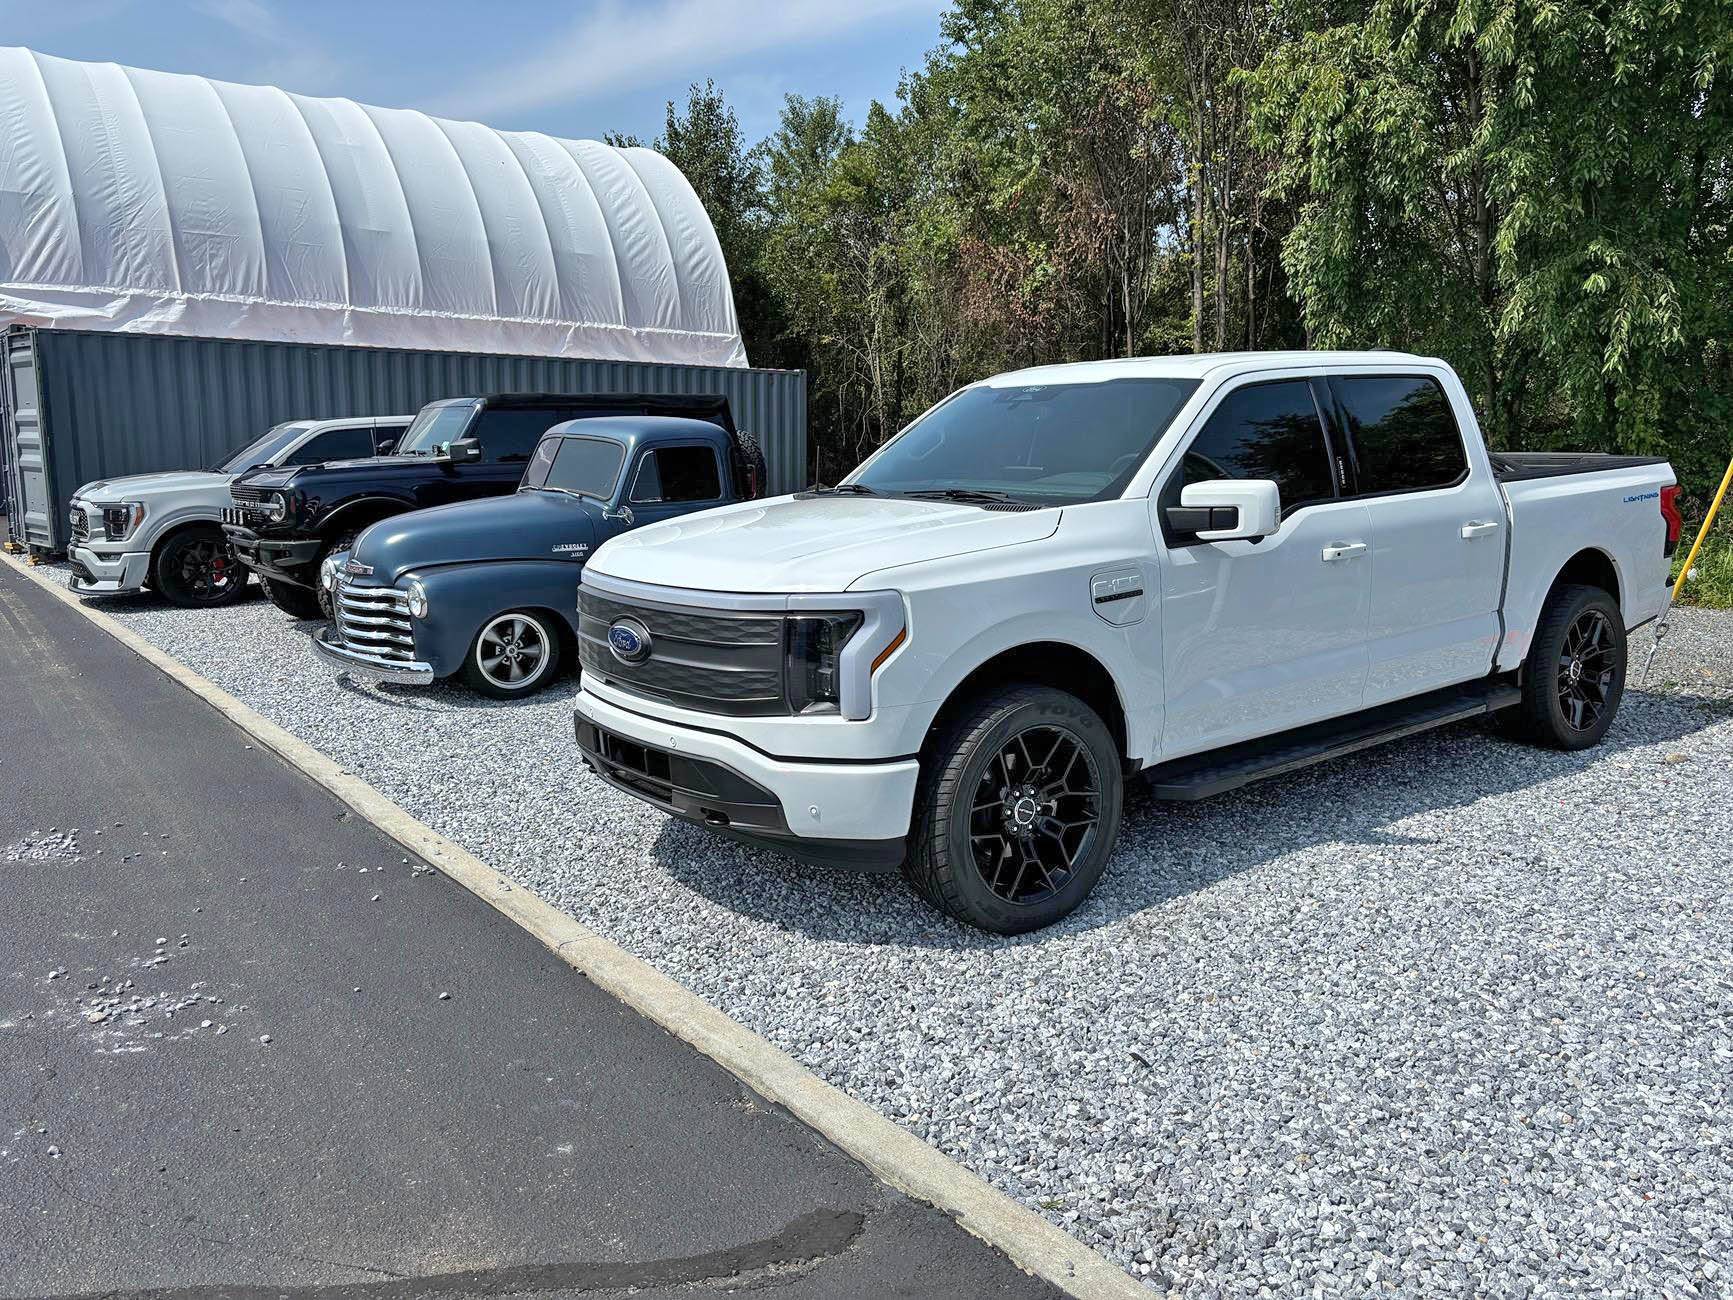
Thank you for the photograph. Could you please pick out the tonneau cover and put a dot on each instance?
(1513, 466)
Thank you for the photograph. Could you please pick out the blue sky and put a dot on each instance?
(575, 69)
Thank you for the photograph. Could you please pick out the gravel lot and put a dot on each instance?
(1453, 1018)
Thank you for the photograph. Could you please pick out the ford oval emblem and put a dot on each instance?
(629, 640)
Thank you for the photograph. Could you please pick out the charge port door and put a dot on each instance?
(1119, 595)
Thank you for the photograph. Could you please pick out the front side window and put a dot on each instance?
(434, 426)
(1263, 431)
(675, 474)
(334, 444)
(1045, 444)
(263, 450)
(509, 434)
(1405, 437)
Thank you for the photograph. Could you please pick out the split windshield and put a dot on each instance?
(586, 467)
(435, 426)
(1035, 444)
(262, 451)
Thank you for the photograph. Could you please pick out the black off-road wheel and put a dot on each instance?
(514, 654)
(195, 569)
(296, 602)
(1574, 677)
(1017, 810)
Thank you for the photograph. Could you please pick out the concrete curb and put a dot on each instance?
(896, 1156)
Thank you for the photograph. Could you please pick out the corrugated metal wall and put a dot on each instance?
(115, 404)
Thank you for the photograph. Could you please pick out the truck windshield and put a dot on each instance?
(1043, 444)
(435, 426)
(261, 451)
(586, 467)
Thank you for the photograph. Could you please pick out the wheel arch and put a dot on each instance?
(1591, 567)
(359, 513)
(1057, 664)
(179, 526)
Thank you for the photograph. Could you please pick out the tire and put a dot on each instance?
(514, 654)
(753, 455)
(296, 602)
(195, 569)
(342, 542)
(977, 823)
(1564, 707)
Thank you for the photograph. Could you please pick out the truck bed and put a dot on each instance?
(1515, 466)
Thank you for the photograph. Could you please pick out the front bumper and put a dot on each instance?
(846, 814)
(342, 659)
(292, 561)
(107, 575)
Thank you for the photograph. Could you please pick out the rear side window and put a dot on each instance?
(1269, 431)
(672, 474)
(334, 444)
(1405, 437)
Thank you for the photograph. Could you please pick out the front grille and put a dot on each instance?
(247, 495)
(244, 517)
(80, 525)
(374, 620)
(712, 662)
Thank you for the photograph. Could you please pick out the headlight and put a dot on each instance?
(328, 568)
(275, 507)
(417, 599)
(119, 521)
(814, 660)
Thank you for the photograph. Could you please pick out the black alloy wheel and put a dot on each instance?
(1587, 667)
(197, 570)
(1036, 812)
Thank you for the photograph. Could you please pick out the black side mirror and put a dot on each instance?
(1188, 521)
(462, 451)
(386, 446)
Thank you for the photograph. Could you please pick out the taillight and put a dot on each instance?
(1675, 521)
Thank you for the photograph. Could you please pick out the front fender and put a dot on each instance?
(462, 597)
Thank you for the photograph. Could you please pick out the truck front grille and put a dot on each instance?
(375, 621)
(247, 495)
(80, 525)
(713, 662)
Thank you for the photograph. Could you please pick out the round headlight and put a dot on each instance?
(417, 599)
(328, 568)
(276, 507)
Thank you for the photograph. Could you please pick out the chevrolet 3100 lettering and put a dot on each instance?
(1196, 570)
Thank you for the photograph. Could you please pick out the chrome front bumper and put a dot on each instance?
(343, 660)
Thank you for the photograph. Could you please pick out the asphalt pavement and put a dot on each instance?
(247, 1049)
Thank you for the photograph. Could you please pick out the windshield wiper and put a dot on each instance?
(975, 496)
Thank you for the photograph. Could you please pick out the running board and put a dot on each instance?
(1198, 776)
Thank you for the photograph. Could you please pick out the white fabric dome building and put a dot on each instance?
(159, 203)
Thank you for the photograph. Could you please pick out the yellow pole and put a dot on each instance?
(1703, 532)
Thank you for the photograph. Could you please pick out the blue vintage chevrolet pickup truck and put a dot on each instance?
(487, 589)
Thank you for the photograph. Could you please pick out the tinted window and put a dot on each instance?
(1052, 443)
(508, 435)
(1263, 431)
(1404, 434)
(436, 424)
(261, 451)
(333, 444)
(587, 466)
(677, 474)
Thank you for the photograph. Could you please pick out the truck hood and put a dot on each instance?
(810, 543)
(142, 487)
(528, 525)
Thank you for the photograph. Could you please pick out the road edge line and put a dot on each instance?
(894, 1155)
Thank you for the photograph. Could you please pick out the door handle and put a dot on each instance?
(1343, 550)
(1479, 528)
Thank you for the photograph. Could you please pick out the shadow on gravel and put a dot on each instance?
(1167, 850)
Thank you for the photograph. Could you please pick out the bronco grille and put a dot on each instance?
(247, 495)
(712, 662)
(375, 621)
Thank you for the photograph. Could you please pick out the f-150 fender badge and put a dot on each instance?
(572, 548)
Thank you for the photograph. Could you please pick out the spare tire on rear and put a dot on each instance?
(757, 468)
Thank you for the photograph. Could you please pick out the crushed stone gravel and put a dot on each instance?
(1450, 1018)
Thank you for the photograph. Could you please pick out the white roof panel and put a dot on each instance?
(159, 203)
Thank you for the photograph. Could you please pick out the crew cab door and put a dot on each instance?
(673, 479)
(508, 435)
(1437, 532)
(1259, 636)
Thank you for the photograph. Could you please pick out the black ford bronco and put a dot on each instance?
(285, 521)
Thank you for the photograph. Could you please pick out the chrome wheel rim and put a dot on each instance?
(1035, 814)
(1587, 667)
(512, 651)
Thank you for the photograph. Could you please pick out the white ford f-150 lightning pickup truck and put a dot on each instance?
(166, 530)
(1200, 570)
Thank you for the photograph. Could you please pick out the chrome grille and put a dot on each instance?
(712, 662)
(80, 525)
(375, 621)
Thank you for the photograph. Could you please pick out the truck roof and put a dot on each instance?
(1197, 365)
